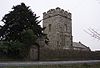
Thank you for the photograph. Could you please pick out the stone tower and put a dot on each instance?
(58, 25)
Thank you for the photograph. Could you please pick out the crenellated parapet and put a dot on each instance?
(55, 12)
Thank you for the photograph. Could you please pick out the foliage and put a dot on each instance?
(18, 21)
(21, 29)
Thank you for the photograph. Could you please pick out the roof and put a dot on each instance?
(79, 45)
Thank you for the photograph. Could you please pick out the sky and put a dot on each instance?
(85, 14)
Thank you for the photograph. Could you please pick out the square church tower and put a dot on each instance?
(58, 25)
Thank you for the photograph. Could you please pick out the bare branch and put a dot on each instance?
(93, 33)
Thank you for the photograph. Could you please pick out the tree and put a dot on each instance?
(21, 28)
(93, 33)
(18, 21)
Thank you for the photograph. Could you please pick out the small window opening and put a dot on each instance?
(49, 27)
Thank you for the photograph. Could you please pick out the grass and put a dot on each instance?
(96, 65)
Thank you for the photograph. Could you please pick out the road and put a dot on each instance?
(46, 63)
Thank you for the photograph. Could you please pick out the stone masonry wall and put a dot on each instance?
(58, 25)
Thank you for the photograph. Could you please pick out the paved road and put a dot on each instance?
(45, 63)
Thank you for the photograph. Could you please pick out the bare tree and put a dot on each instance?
(93, 33)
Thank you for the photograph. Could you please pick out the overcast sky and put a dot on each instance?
(85, 14)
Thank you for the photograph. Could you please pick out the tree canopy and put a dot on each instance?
(18, 21)
(21, 27)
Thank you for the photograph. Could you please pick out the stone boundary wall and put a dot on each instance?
(63, 54)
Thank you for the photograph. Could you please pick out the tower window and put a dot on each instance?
(49, 27)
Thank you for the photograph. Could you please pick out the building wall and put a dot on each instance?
(58, 25)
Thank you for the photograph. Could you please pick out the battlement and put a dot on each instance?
(55, 12)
